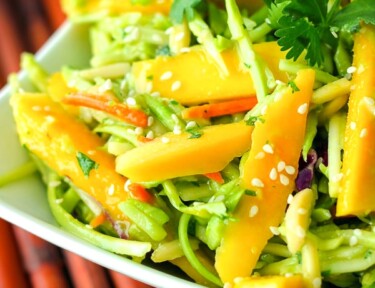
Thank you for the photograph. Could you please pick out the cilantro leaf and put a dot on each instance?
(350, 16)
(195, 132)
(181, 8)
(86, 163)
(293, 85)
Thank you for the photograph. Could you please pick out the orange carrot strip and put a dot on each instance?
(139, 192)
(11, 272)
(122, 111)
(121, 281)
(216, 176)
(98, 220)
(220, 108)
(85, 274)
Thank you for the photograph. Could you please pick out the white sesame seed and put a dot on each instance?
(138, 131)
(280, 166)
(357, 232)
(264, 110)
(165, 139)
(176, 85)
(352, 125)
(47, 108)
(59, 201)
(219, 198)
(54, 183)
(284, 180)
(353, 241)
(166, 75)
(191, 124)
(150, 134)
(88, 226)
(131, 101)
(337, 177)
(36, 108)
(130, 131)
(302, 109)
(300, 232)
(228, 285)
(150, 121)
(351, 70)
(361, 68)
(288, 274)
(363, 133)
(185, 50)
(126, 185)
(177, 130)
(174, 118)
(50, 119)
(91, 152)
(334, 34)
(128, 29)
(253, 211)
(155, 94)
(179, 36)
(237, 280)
(317, 282)
(301, 211)
(169, 30)
(111, 189)
(273, 174)
(260, 155)
(107, 85)
(157, 38)
(290, 198)
(290, 169)
(274, 230)
(268, 21)
(256, 182)
(268, 148)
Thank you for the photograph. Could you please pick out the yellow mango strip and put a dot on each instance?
(56, 137)
(357, 188)
(295, 281)
(204, 82)
(179, 155)
(270, 171)
(114, 7)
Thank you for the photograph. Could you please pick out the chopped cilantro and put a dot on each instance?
(181, 8)
(86, 163)
(253, 119)
(248, 66)
(326, 273)
(163, 51)
(150, 77)
(293, 86)
(250, 192)
(368, 254)
(299, 257)
(195, 132)
(173, 102)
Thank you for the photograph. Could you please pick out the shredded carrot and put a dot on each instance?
(216, 176)
(98, 220)
(144, 139)
(110, 106)
(139, 192)
(220, 108)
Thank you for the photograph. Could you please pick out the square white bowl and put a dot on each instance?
(24, 203)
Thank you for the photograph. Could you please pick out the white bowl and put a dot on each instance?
(24, 203)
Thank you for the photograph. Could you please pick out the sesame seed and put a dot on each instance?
(300, 232)
(363, 133)
(91, 152)
(54, 183)
(260, 155)
(256, 182)
(150, 134)
(130, 131)
(274, 230)
(352, 125)
(268, 148)
(129, 29)
(50, 119)
(138, 131)
(351, 70)
(253, 211)
(337, 177)
(176, 85)
(107, 85)
(179, 36)
(237, 280)
(157, 38)
(290, 170)
(165, 140)
(185, 50)
(288, 274)
(47, 108)
(361, 68)
(36, 108)
(280, 166)
(177, 130)
(357, 232)
(302, 109)
(334, 34)
(227, 285)
(59, 201)
(290, 198)
(166, 75)
(284, 180)
(126, 185)
(88, 226)
(131, 101)
(353, 241)
(111, 189)
(174, 117)
(169, 30)
(301, 211)
(155, 94)
(264, 110)
(219, 198)
(317, 282)
(150, 121)
(273, 174)
(191, 124)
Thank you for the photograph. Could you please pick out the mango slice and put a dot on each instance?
(295, 281)
(174, 155)
(270, 171)
(56, 137)
(357, 187)
(204, 82)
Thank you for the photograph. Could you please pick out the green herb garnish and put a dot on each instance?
(86, 163)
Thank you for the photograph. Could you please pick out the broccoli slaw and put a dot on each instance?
(187, 149)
